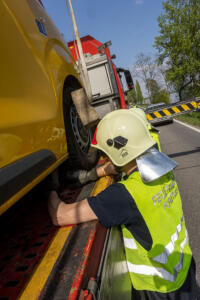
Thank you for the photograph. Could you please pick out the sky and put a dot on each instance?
(131, 25)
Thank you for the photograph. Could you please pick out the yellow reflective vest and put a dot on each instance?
(165, 266)
(155, 136)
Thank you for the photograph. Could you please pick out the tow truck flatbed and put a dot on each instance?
(42, 261)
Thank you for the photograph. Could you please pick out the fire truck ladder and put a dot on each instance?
(168, 111)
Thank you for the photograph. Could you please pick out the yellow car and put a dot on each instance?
(37, 78)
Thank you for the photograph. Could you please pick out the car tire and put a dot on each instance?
(78, 137)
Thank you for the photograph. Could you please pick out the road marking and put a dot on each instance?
(189, 126)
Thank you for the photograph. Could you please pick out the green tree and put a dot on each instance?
(162, 96)
(157, 94)
(153, 88)
(179, 44)
(139, 95)
(132, 97)
(144, 68)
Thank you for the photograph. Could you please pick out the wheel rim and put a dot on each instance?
(81, 134)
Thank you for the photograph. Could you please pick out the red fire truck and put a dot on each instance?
(105, 78)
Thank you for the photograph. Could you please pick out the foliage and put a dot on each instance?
(162, 79)
(191, 118)
(135, 95)
(179, 44)
(132, 97)
(162, 96)
(157, 94)
(152, 86)
(140, 98)
(145, 68)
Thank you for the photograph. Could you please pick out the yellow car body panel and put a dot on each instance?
(35, 62)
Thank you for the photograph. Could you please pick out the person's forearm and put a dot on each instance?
(82, 177)
(85, 176)
(66, 214)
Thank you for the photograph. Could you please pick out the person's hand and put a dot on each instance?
(107, 169)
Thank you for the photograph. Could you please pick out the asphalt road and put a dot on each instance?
(183, 145)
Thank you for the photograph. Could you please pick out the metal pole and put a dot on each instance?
(84, 71)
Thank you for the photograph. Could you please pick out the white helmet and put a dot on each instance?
(140, 112)
(123, 136)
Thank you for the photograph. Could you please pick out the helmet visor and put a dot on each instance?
(154, 164)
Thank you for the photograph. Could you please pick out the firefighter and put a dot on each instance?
(147, 205)
(153, 130)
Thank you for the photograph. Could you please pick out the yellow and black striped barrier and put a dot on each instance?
(169, 111)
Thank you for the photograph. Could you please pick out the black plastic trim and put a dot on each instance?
(17, 175)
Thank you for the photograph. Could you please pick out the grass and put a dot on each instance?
(191, 118)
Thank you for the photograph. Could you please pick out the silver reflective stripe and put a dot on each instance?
(163, 257)
(146, 270)
(184, 242)
(130, 243)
